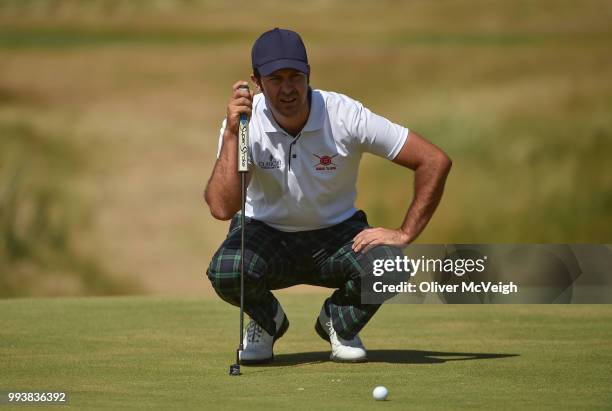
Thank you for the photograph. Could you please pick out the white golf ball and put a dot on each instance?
(380, 393)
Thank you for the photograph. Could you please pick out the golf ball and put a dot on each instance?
(380, 393)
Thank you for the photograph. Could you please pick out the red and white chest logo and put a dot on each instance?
(325, 163)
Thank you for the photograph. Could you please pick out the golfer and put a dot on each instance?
(301, 224)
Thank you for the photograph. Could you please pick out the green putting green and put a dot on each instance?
(163, 353)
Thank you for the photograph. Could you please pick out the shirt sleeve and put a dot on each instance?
(221, 137)
(375, 134)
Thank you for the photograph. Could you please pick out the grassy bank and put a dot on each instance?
(517, 94)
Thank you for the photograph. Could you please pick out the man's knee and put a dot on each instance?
(224, 270)
(377, 257)
(386, 267)
(224, 278)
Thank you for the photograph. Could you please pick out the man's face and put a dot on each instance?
(286, 91)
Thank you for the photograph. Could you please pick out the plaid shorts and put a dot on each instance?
(275, 259)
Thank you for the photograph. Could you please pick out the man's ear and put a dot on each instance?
(257, 82)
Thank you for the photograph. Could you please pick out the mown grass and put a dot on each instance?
(174, 353)
(517, 93)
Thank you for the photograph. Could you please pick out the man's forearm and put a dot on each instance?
(223, 194)
(429, 180)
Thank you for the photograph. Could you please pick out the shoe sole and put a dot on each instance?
(323, 334)
(279, 334)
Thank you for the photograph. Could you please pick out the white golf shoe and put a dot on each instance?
(341, 350)
(258, 344)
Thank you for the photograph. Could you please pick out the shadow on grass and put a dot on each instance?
(386, 356)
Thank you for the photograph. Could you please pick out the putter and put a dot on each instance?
(243, 168)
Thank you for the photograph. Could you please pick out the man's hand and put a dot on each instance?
(240, 102)
(371, 237)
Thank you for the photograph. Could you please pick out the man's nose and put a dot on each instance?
(287, 87)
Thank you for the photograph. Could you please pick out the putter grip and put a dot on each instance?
(243, 141)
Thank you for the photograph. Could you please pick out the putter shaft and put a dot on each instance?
(243, 163)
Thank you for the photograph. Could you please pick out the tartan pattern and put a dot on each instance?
(275, 259)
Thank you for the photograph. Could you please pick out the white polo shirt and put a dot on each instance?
(308, 181)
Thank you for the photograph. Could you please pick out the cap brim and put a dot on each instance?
(271, 67)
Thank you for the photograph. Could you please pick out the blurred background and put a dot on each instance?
(110, 111)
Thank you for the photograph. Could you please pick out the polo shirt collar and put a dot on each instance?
(316, 117)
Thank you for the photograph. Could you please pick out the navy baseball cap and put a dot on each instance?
(278, 49)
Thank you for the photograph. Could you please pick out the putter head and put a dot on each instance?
(234, 369)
